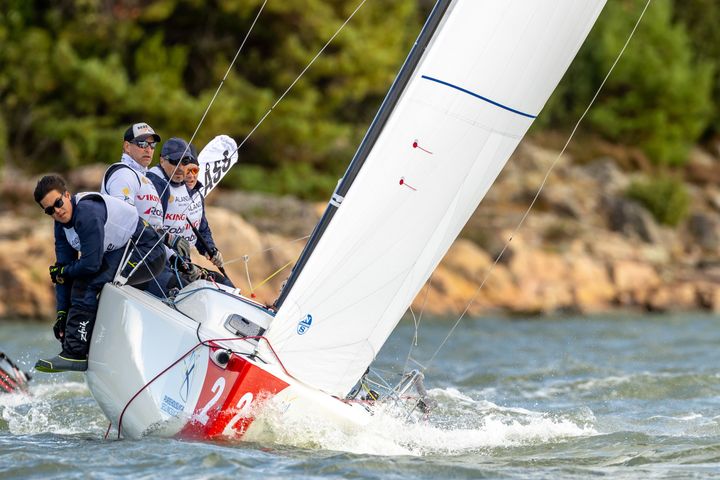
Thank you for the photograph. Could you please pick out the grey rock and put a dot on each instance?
(631, 219)
(705, 230)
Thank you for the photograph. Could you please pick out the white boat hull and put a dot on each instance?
(150, 373)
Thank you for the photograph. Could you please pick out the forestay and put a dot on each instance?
(487, 71)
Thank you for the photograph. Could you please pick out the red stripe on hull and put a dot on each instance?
(228, 398)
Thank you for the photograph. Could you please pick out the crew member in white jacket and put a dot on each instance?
(127, 180)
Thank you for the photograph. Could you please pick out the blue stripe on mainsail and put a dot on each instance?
(479, 96)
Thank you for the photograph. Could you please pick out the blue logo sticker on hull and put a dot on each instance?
(304, 324)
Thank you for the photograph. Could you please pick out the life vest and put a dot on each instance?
(121, 222)
(176, 205)
(147, 199)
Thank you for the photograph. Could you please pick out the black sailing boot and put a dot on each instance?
(62, 362)
(76, 343)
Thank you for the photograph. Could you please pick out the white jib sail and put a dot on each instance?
(483, 78)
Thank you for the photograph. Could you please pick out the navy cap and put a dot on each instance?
(139, 132)
(174, 149)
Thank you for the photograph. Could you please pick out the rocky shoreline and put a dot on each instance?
(584, 247)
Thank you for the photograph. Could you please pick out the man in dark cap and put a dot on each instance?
(169, 181)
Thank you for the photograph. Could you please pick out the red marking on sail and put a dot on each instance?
(417, 145)
(402, 182)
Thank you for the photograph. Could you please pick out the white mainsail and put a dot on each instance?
(468, 93)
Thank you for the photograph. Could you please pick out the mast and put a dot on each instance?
(426, 35)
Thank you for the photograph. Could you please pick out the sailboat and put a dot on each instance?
(203, 363)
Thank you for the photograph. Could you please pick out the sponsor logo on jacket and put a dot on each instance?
(148, 196)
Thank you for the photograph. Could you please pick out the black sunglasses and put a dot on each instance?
(51, 209)
(144, 144)
(184, 161)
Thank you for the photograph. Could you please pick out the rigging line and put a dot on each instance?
(227, 72)
(271, 276)
(269, 249)
(217, 92)
(202, 119)
(414, 341)
(347, 20)
(542, 185)
(247, 272)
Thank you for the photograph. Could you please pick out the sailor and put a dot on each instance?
(99, 227)
(126, 179)
(198, 222)
(169, 180)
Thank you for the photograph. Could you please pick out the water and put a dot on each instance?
(622, 397)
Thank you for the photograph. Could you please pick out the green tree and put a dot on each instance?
(658, 97)
(702, 18)
(665, 197)
(77, 72)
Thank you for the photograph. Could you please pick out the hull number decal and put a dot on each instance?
(217, 389)
(243, 409)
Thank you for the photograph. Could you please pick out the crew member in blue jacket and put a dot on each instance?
(98, 227)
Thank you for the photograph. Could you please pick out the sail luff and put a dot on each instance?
(393, 95)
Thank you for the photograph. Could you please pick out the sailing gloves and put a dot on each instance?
(194, 272)
(59, 327)
(216, 258)
(190, 271)
(179, 244)
(56, 274)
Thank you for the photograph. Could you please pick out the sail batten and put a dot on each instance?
(458, 110)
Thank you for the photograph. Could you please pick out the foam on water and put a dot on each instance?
(459, 425)
(61, 408)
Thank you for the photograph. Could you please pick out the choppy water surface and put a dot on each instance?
(622, 397)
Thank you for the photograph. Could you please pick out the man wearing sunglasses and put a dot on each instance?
(200, 234)
(175, 199)
(127, 178)
(98, 227)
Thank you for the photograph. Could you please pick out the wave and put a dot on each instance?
(459, 425)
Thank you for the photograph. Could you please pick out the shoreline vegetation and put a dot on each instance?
(588, 245)
(629, 218)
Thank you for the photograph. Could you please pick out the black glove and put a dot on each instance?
(59, 327)
(56, 274)
(191, 271)
(180, 265)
